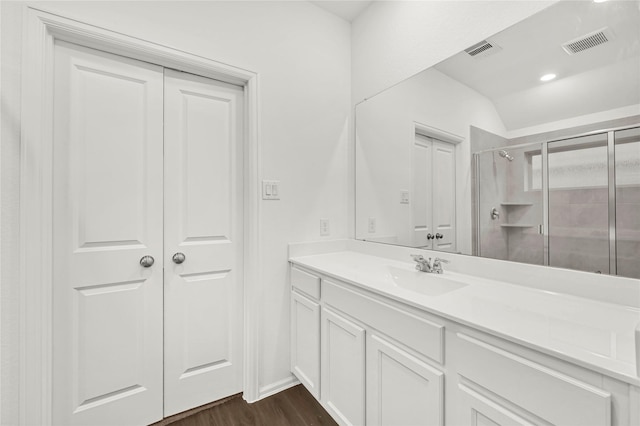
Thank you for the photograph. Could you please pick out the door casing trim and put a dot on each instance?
(41, 30)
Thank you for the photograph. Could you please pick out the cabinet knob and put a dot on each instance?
(430, 237)
(438, 236)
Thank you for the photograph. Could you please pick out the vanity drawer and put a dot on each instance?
(424, 336)
(487, 370)
(305, 282)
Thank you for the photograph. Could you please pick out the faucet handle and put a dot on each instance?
(437, 259)
(417, 257)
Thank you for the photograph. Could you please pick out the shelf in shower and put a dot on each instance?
(516, 225)
(506, 203)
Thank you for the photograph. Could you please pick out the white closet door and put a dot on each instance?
(422, 184)
(203, 218)
(444, 196)
(107, 215)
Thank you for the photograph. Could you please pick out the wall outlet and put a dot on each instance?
(404, 196)
(372, 225)
(270, 189)
(324, 227)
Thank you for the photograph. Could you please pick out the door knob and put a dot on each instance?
(439, 235)
(429, 236)
(178, 258)
(147, 261)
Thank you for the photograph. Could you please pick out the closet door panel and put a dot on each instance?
(203, 218)
(421, 182)
(107, 215)
(444, 196)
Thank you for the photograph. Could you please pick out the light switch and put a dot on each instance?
(270, 190)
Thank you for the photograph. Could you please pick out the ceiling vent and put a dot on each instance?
(588, 41)
(482, 49)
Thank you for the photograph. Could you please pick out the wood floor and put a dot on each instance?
(292, 407)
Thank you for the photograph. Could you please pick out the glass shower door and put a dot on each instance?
(509, 205)
(578, 200)
(627, 175)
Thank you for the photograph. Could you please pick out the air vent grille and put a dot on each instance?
(478, 48)
(588, 41)
(484, 48)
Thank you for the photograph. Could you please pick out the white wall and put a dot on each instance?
(9, 173)
(302, 56)
(393, 40)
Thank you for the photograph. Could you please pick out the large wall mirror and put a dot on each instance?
(523, 147)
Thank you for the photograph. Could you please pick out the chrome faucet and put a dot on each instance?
(437, 265)
(422, 264)
(425, 265)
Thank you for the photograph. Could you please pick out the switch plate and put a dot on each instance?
(270, 189)
(404, 196)
(324, 227)
(372, 225)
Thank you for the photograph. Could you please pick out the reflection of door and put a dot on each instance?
(434, 196)
(110, 247)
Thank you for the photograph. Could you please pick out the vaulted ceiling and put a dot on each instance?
(600, 78)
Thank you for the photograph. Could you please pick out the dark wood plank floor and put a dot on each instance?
(292, 407)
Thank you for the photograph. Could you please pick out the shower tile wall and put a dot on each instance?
(524, 244)
(580, 237)
(628, 202)
(628, 231)
(501, 182)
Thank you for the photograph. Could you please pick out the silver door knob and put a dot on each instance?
(178, 258)
(147, 261)
(439, 235)
(429, 236)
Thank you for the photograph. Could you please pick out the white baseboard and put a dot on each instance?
(276, 387)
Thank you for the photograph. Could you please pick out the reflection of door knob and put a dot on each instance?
(438, 236)
(429, 236)
(147, 261)
(178, 258)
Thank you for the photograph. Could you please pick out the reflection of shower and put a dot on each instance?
(505, 154)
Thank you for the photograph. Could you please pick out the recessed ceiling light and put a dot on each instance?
(547, 77)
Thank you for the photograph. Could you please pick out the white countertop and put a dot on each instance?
(591, 333)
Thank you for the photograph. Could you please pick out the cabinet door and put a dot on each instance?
(343, 362)
(535, 392)
(305, 342)
(476, 410)
(401, 389)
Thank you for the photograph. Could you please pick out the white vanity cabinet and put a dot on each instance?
(496, 386)
(343, 368)
(375, 360)
(373, 356)
(401, 389)
(305, 329)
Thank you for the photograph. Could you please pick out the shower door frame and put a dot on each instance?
(544, 147)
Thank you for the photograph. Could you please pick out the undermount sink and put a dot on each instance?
(423, 282)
